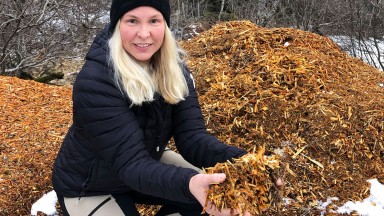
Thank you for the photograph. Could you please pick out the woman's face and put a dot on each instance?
(142, 32)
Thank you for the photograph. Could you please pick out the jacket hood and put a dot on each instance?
(99, 49)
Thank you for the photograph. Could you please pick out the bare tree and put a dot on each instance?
(308, 15)
(261, 12)
(24, 41)
(36, 35)
(84, 19)
(221, 8)
(186, 14)
(365, 30)
(373, 33)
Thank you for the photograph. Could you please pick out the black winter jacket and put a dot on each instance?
(113, 147)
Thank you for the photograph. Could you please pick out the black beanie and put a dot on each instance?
(120, 7)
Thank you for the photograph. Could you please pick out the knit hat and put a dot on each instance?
(120, 7)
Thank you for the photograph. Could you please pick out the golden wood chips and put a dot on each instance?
(248, 183)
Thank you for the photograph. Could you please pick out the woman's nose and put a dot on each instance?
(144, 31)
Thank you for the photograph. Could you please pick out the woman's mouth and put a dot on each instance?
(143, 45)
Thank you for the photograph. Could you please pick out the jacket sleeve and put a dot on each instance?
(103, 117)
(192, 140)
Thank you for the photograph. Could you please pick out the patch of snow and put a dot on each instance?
(371, 206)
(323, 205)
(369, 50)
(46, 204)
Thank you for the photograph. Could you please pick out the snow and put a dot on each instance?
(323, 205)
(371, 206)
(46, 204)
(370, 53)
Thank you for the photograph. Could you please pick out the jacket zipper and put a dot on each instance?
(85, 184)
(161, 115)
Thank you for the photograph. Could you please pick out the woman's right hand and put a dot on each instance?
(199, 185)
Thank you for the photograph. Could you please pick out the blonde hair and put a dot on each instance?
(140, 82)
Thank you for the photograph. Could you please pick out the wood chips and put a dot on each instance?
(293, 92)
(34, 119)
(248, 183)
(298, 94)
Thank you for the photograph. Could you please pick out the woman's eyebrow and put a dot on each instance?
(134, 16)
(156, 16)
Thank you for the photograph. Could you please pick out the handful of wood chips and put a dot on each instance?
(248, 183)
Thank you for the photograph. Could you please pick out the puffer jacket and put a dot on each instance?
(113, 147)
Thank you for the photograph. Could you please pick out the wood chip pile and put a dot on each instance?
(291, 91)
(299, 95)
(34, 119)
(248, 186)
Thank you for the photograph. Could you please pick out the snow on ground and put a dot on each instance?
(323, 205)
(367, 50)
(46, 204)
(371, 206)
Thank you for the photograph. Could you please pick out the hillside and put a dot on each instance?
(291, 91)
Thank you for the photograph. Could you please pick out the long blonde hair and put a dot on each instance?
(140, 82)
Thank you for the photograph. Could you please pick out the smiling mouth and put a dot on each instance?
(143, 45)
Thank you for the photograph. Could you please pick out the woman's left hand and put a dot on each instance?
(199, 184)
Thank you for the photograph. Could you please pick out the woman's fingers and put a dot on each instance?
(279, 183)
(216, 178)
(199, 184)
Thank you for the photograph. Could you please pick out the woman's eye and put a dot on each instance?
(132, 21)
(154, 21)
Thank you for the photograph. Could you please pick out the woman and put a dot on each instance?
(132, 95)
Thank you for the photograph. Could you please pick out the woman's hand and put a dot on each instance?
(199, 184)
